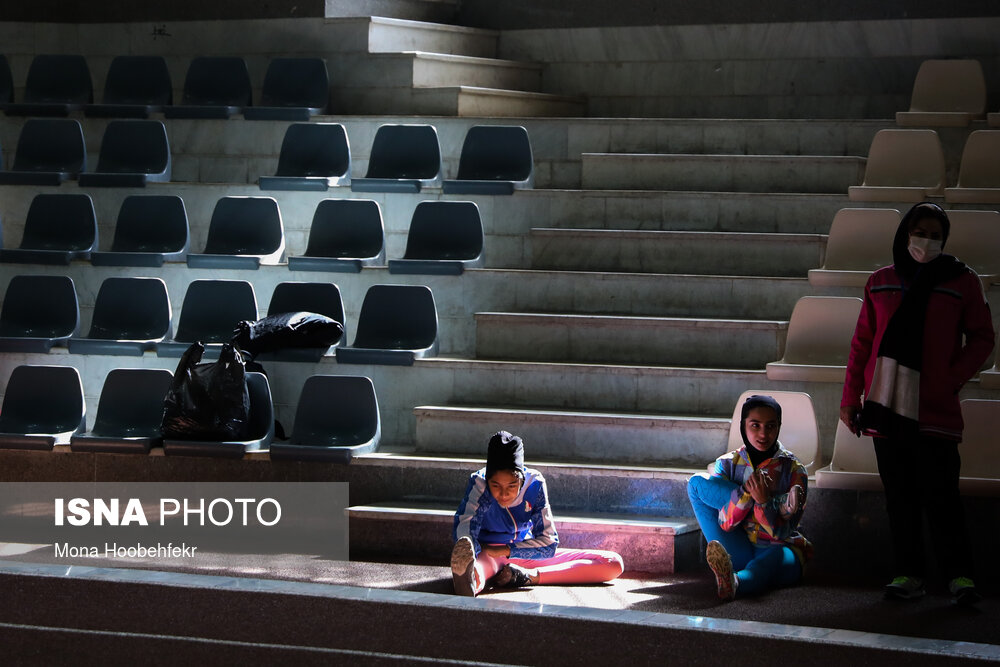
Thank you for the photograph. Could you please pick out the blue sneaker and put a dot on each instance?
(905, 588)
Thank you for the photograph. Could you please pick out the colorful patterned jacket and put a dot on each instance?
(765, 524)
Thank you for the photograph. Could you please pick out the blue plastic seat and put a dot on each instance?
(397, 324)
(214, 87)
(496, 160)
(209, 313)
(244, 233)
(294, 297)
(314, 156)
(131, 315)
(260, 428)
(294, 89)
(337, 418)
(128, 414)
(56, 85)
(42, 406)
(133, 153)
(49, 151)
(38, 313)
(57, 229)
(6, 83)
(151, 230)
(345, 235)
(445, 237)
(135, 87)
(404, 158)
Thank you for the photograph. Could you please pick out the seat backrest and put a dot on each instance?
(979, 438)
(60, 222)
(346, 228)
(820, 330)
(212, 308)
(40, 306)
(151, 223)
(405, 151)
(59, 79)
(217, 81)
(851, 453)
(905, 158)
(799, 431)
(260, 421)
(336, 410)
(134, 147)
(322, 298)
(131, 403)
(42, 400)
(861, 239)
(975, 239)
(980, 160)
(138, 80)
(6, 81)
(397, 317)
(949, 85)
(296, 82)
(129, 308)
(314, 149)
(245, 226)
(445, 230)
(496, 152)
(51, 144)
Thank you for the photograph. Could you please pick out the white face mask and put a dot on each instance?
(923, 249)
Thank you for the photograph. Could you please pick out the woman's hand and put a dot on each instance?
(497, 550)
(759, 486)
(849, 415)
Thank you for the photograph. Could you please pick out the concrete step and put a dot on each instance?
(416, 528)
(390, 35)
(418, 69)
(676, 252)
(443, 11)
(722, 173)
(629, 340)
(587, 437)
(473, 101)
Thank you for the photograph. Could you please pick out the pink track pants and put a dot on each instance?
(567, 566)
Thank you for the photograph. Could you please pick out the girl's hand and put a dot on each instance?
(759, 486)
(496, 550)
(850, 416)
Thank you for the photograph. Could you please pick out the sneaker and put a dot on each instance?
(794, 500)
(905, 588)
(722, 565)
(463, 567)
(512, 576)
(963, 591)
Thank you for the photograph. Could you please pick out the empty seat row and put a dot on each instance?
(860, 242)
(397, 323)
(336, 417)
(445, 237)
(50, 151)
(495, 160)
(136, 86)
(908, 165)
(947, 93)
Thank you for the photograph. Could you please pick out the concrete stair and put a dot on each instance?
(584, 436)
(722, 173)
(421, 10)
(629, 340)
(748, 254)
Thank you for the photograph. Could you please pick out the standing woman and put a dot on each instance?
(909, 359)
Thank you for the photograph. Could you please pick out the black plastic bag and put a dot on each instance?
(287, 330)
(207, 401)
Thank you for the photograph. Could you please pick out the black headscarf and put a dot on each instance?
(505, 452)
(903, 340)
(758, 401)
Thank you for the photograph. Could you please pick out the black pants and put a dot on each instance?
(921, 479)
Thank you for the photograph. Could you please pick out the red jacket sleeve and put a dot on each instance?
(977, 325)
(861, 351)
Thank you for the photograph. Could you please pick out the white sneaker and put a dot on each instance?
(463, 567)
(722, 566)
(794, 500)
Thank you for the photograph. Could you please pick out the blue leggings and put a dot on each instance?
(758, 568)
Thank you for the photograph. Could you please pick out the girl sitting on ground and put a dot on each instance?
(750, 506)
(504, 533)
